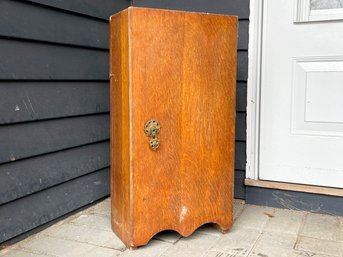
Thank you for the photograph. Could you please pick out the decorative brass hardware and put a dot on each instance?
(152, 129)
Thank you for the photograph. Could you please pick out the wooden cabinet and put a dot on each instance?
(178, 71)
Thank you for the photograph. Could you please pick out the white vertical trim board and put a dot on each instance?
(254, 80)
(302, 10)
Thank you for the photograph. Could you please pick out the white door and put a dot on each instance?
(301, 115)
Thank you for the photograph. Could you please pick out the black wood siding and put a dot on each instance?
(239, 8)
(54, 109)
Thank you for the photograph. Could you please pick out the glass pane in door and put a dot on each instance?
(326, 4)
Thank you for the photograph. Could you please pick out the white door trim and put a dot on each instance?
(254, 86)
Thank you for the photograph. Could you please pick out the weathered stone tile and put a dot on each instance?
(19, 253)
(238, 208)
(277, 239)
(198, 241)
(219, 254)
(254, 217)
(279, 252)
(309, 254)
(46, 245)
(153, 249)
(93, 221)
(209, 229)
(257, 232)
(320, 226)
(285, 221)
(61, 222)
(212, 230)
(340, 229)
(87, 235)
(178, 251)
(238, 241)
(101, 252)
(274, 244)
(168, 236)
(102, 208)
(271, 251)
(321, 246)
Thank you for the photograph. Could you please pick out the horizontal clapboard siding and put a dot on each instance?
(101, 9)
(29, 101)
(239, 8)
(241, 97)
(35, 138)
(54, 109)
(240, 126)
(51, 26)
(25, 214)
(31, 175)
(242, 65)
(243, 32)
(24, 60)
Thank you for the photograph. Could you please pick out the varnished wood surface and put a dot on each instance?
(120, 127)
(182, 73)
(294, 187)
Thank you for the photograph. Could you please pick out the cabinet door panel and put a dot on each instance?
(156, 64)
(183, 75)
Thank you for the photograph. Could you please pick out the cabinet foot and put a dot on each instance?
(221, 229)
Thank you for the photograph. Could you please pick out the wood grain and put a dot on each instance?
(295, 187)
(182, 72)
(120, 127)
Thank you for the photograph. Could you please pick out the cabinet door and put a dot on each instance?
(183, 76)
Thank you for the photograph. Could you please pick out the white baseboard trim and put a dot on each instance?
(294, 187)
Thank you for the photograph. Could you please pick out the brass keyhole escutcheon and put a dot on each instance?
(152, 129)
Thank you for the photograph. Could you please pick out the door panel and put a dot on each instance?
(301, 124)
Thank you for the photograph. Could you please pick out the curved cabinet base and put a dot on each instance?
(183, 230)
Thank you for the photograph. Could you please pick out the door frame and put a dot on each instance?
(254, 88)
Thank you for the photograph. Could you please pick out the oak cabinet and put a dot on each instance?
(173, 78)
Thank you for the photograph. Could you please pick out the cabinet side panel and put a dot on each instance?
(120, 126)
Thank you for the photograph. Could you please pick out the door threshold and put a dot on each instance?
(294, 187)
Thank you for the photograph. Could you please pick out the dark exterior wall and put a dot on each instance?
(54, 109)
(239, 8)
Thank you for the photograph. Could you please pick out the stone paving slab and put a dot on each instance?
(285, 221)
(89, 235)
(315, 245)
(340, 229)
(153, 249)
(17, 253)
(93, 221)
(320, 226)
(255, 217)
(257, 232)
(239, 241)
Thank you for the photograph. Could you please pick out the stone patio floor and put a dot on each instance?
(257, 231)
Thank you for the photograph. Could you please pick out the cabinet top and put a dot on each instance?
(172, 12)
